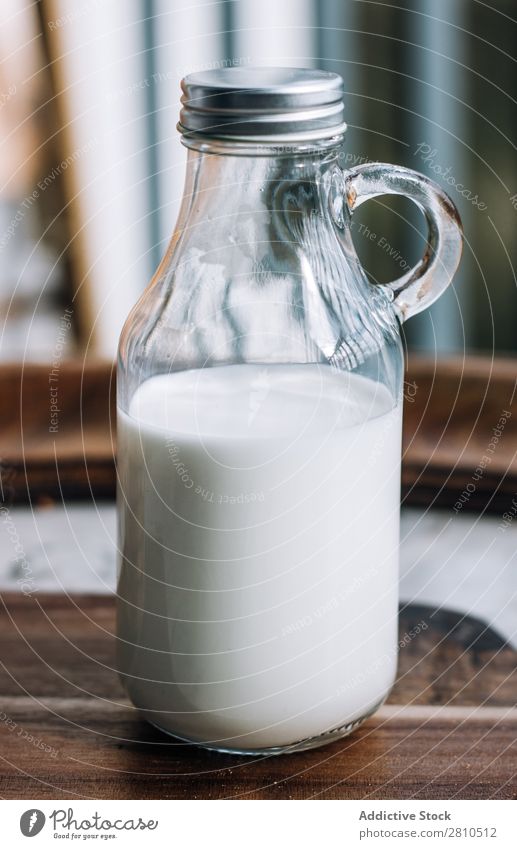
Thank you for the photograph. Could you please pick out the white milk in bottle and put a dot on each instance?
(259, 523)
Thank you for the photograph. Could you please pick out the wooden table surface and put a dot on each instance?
(448, 731)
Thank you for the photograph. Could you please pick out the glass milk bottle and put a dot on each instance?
(259, 427)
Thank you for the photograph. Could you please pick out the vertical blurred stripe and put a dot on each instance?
(336, 42)
(149, 39)
(228, 26)
(188, 35)
(444, 132)
(98, 78)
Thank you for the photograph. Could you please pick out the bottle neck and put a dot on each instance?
(223, 178)
(266, 148)
(256, 247)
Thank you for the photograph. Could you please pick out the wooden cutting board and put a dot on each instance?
(452, 407)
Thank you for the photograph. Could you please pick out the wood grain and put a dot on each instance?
(77, 460)
(449, 729)
(451, 409)
(451, 416)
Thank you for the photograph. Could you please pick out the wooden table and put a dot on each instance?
(448, 731)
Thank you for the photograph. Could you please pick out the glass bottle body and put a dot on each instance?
(259, 443)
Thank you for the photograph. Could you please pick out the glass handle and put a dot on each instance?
(424, 283)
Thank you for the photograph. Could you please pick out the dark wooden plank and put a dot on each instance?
(459, 411)
(451, 409)
(449, 729)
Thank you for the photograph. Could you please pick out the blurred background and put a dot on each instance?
(91, 167)
(91, 179)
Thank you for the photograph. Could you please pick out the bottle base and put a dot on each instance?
(315, 742)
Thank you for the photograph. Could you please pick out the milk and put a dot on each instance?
(259, 552)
